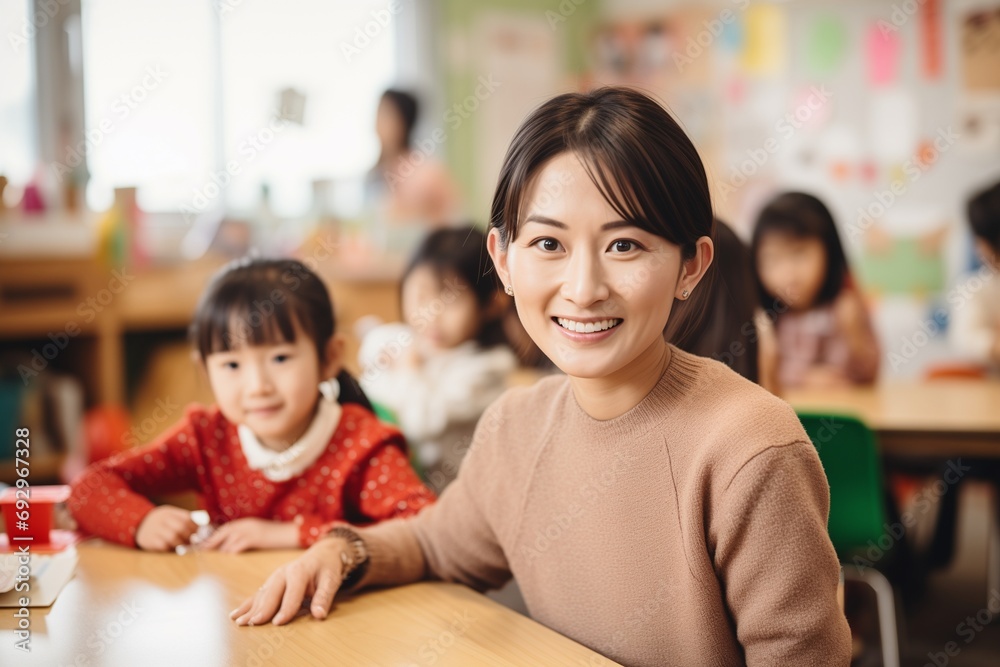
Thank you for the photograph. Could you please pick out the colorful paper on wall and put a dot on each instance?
(904, 265)
(930, 39)
(765, 40)
(883, 50)
(826, 45)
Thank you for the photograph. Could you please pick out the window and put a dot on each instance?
(18, 133)
(177, 92)
(314, 48)
(149, 102)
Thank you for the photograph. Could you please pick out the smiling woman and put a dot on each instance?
(653, 505)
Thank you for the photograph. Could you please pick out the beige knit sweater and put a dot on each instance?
(689, 531)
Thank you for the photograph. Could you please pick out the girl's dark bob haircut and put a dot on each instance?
(255, 301)
(460, 252)
(637, 156)
(802, 216)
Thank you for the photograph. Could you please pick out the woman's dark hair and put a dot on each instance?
(729, 333)
(639, 159)
(984, 216)
(802, 216)
(407, 107)
(259, 302)
(460, 252)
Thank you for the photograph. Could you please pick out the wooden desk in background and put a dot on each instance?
(937, 418)
(126, 607)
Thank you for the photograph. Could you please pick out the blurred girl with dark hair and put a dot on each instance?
(824, 335)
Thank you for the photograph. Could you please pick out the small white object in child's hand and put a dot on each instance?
(205, 530)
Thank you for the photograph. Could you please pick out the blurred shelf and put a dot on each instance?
(48, 236)
(42, 469)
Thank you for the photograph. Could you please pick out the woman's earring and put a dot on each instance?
(330, 389)
(685, 294)
(509, 290)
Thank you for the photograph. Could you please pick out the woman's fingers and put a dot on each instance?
(242, 609)
(317, 572)
(326, 589)
(265, 602)
(296, 580)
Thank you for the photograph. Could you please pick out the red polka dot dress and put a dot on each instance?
(363, 476)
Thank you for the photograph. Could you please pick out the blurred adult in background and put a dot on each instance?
(408, 186)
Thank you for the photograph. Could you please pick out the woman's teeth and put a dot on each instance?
(587, 327)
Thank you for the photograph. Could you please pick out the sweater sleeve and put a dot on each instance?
(110, 498)
(777, 565)
(453, 539)
(457, 535)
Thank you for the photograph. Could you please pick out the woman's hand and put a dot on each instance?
(316, 573)
(165, 528)
(251, 533)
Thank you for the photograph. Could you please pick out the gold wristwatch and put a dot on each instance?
(354, 560)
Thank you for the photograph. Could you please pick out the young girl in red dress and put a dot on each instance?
(290, 448)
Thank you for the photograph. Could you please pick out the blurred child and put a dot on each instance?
(440, 370)
(278, 459)
(824, 335)
(975, 325)
(733, 331)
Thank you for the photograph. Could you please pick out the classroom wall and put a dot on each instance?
(533, 49)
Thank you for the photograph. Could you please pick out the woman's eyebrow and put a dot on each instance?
(544, 220)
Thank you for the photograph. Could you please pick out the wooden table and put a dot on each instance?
(937, 418)
(126, 607)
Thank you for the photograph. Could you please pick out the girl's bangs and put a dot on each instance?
(242, 318)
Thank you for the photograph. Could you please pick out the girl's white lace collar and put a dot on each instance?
(282, 466)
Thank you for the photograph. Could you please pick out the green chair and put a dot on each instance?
(858, 517)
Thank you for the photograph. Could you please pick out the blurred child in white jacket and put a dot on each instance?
(975, 316)
(438, 371)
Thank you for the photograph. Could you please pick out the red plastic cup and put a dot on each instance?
(37, 527)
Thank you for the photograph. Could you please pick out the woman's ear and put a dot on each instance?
(334, 357)
(694, 269)
(499, 256)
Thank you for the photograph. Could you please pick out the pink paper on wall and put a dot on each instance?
(930, 34)
(883, 50)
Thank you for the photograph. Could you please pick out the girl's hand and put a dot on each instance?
(165, 528)
(317, 573)
(250, 533)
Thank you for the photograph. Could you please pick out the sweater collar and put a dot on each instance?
(679, 378)
(282, 466)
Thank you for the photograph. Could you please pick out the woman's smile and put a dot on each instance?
(588, 330)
